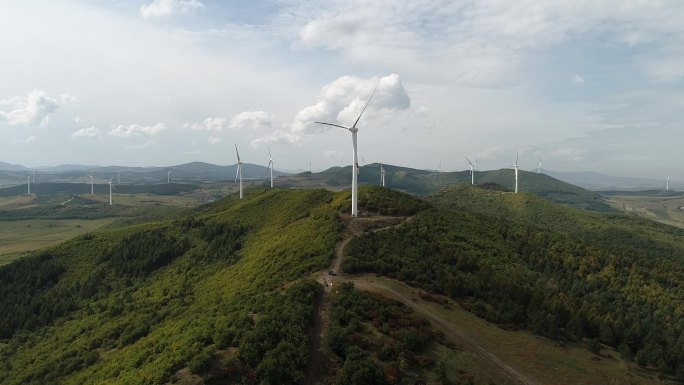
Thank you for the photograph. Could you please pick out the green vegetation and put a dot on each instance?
(525, 262)
(378, 341)
(50, 189)
(136, 305)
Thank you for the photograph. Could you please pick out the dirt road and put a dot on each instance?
(384, 286)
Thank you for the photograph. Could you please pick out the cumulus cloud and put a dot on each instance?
(342, 101)
(133, 130)
(165, 8)
(209, 124)
(87, 133)
(35, 108)
(251, 120)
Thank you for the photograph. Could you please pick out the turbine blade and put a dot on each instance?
(471, 163)
(334, 125)
(269, 154)
(237, 171)
(238, 153)
(366, 106)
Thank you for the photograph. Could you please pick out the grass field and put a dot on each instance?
(20, 237)
(668, 210)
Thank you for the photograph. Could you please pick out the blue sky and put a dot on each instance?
(589, 85)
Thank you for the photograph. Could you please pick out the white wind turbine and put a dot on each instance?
(539, 166)
(667, 184)
(382, 175)
(270, 165)
(516, 172)
(238, 172)
(168, 176)
(28, 183)
(110, 190)
(355, 166)
(472, 171)
(92, 186)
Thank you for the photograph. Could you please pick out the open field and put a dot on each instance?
(668, 210)
(19, 237)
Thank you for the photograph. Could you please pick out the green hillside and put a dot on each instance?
(527, 263)
(135, 305)
(62, 189)
(423, 183)
(225, 295)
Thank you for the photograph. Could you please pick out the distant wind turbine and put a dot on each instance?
(92, 186)
(355, 166)
(168, 176)
(28, 183)
(382, 175)
(516, 172)
(667, 184)
(540, 164)
(238, 172)
(110, 190)
(472, 171)
(270, 165)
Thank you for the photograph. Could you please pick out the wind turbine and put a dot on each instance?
(238, 172)
(92, 186)
(110, 190)
(472, 171)
(516, 172)
(539, 166)
(355, 166)
(382, 175)
(168, 176)
(667, 184)
(28, 183)
(270, 165)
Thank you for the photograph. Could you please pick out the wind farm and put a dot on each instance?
(136, 249)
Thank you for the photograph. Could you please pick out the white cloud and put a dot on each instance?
(251, 120)
(214, 140)
(165, 8)
(209, 124)
(577, 79)
(333, 154)
(35, 108)
(132, 130)
(574, 154)
(87, 133)
(342, 101)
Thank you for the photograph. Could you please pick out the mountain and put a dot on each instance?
(11, 167)
(225, 295)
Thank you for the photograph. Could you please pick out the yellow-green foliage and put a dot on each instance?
(131, 320)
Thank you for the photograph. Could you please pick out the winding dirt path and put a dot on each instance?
(384, 286)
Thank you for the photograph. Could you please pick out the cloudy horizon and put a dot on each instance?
(588, 85)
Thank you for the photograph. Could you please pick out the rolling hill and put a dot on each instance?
(226, 295)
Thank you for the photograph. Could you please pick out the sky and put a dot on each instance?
(588, 85)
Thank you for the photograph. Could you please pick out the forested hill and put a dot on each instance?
(134, 305)
(525, 262)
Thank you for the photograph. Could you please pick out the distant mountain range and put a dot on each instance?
(601, 182)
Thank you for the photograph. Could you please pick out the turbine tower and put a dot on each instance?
(667, 184)
(472, 171)
(92, 186)
(28, 183)
(110, 190)
(238, 172)
(516, 173)
(382, 175)
(539, 166)
(168, 176)
(270, 165)
(355, 166)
